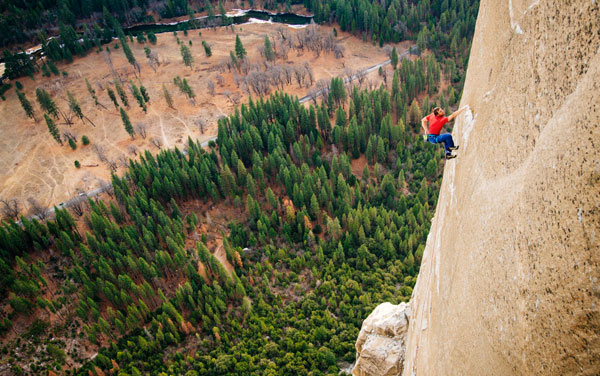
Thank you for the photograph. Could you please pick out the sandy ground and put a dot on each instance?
(32, 164)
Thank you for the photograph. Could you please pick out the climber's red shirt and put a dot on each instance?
(436, 123)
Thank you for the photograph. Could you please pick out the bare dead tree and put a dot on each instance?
(112, 165)
(210, 85)
(323, 86)
(310, 75)
(200, 123)
(371, 84)
(132, 149)
(299, 74)
(157, 142)
(338, 51)
(348, 73)
(141, 129)
(220, 80)
(37, 209)
(100, 152)
(77, 205)
(259, 83)
(228, 95)
(153, 60)
(313, 94)
(388, 50)
(123, 161)
(113, 71)
(275, 73)
(68, 135)
(10, 208)
(283, 51)
(361, 75)
(384, 74)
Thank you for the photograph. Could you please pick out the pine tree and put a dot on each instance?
(92, 92)
(186, 54)
(112, 96)
(269, 54)
(138, 96)
(210, 12)
(127, 123)
(144, 94)
(129, 55)
(394, 57)
(240, 51)
(46, 103)
(52, 128)
(167, 96)
(223, 13)
(26, 105)
(74, 106)
(121, 92)
(207, 50)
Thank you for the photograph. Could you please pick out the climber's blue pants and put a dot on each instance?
(445, 138)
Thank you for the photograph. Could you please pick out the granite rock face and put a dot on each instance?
(381, 341)
(510, 278)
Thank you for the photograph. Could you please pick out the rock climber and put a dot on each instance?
(432, 125)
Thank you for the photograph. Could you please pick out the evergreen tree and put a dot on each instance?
(121, 92)
(138, 96)
(269, 54)
(92, 92)
(240, 51)
(46, 102)
(167, 96)
(207, 50)
(52, 128)
(186, 54)
(74, 105)
(144, 93)
(26, 105)
(394, 57)
(112, 96)
(129, 55)
(127, 122)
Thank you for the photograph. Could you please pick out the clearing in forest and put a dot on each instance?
(34, 165)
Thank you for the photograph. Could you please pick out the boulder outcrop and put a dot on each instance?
(381, 341)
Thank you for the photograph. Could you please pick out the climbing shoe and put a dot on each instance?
(454, 147)
(450, 156)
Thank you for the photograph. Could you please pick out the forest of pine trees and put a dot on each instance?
(345, 243)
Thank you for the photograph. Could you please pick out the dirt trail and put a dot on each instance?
(162, 128)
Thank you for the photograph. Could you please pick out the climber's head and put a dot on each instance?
(438, 111)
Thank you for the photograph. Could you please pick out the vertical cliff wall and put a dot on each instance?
(510, 279)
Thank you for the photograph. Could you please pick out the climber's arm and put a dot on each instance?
(424, 125)
(457, 112)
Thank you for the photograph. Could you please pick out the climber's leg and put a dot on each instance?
(446, 138)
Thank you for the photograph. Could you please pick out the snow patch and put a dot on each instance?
(237, 12)
(297, 26)
(257, 21)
